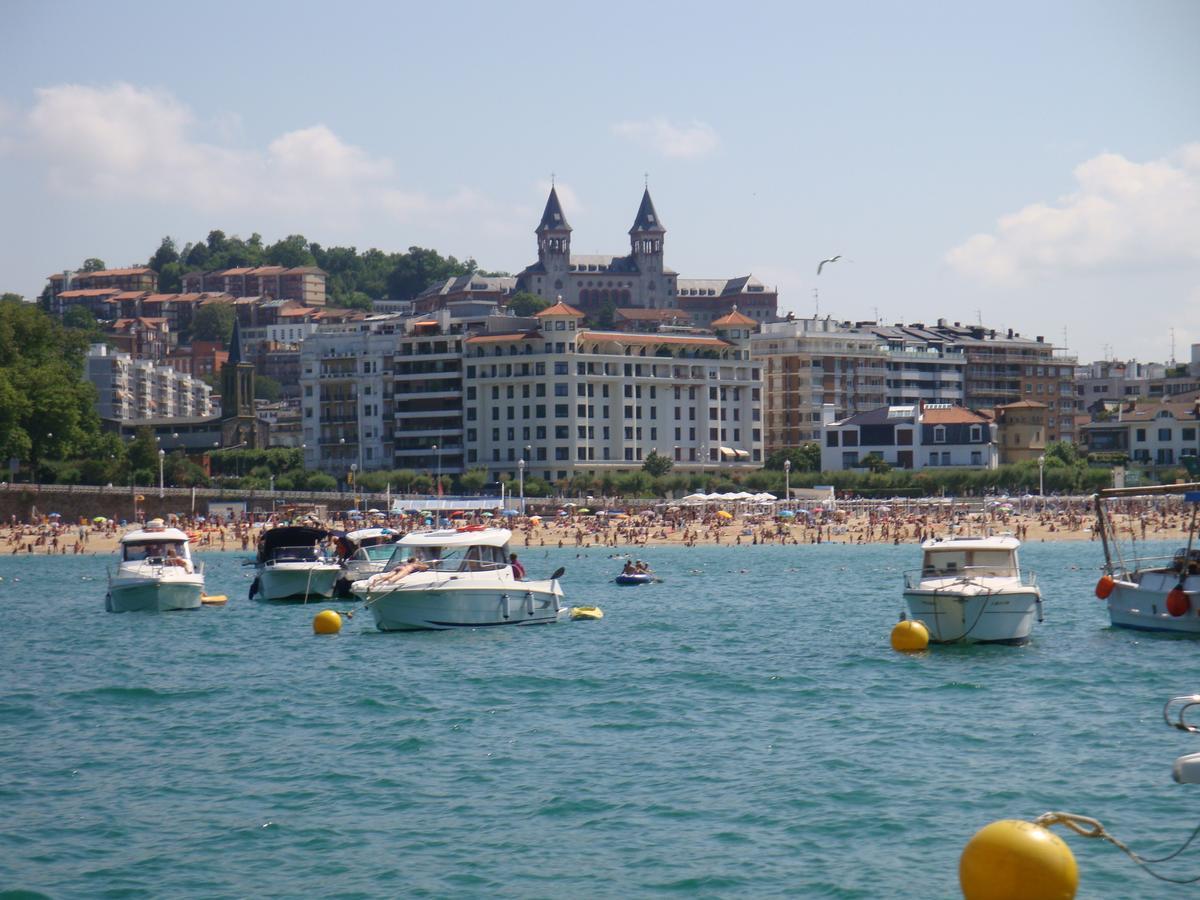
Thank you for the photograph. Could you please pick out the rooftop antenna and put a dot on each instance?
(646, 180)
(979, 317)
(817, 302)
(876, 314)
(1172, 346)
(551, 179)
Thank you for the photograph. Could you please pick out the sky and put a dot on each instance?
(1027, 165)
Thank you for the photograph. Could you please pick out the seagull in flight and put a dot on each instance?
(821, 264)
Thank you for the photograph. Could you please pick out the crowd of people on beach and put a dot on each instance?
(849, 522)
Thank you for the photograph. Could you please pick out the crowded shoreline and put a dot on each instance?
(1156, 521)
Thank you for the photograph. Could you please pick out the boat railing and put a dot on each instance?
(914, 578)
(154, 565)
(296, 554)
(1132, 564)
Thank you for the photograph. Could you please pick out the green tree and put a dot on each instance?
(166, 253)
(538, 487)
(143, 455)
(10, 297)
(93, 264)
(805, 458)
(606, 317)
(319, 481)
(214, 322)
(81, 318)
(292, 251)
(472, 482)
(419, 268)
(524, 303)
(267, 388)
(875, 463)
(656, 464)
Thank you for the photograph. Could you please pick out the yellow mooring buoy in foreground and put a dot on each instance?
(587, 613)
(909, 636)
(327, 621)
(1011, 858)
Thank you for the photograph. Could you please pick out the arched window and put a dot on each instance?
(558, 285)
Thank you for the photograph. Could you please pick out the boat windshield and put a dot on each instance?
(995, 563)
(477, 558)
(297, 554)
(151, 550)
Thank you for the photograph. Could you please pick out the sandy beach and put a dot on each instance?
(632, 532)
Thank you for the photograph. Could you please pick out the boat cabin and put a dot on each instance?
(970, 557)
(292, 543)
(371, 544)
(454, 551)
(157, 546)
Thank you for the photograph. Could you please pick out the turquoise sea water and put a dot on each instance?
(742, 729)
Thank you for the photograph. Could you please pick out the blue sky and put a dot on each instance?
(1033, 165)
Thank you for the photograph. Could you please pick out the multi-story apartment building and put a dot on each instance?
(567, 400)
(129, 389)
(346, 396)
(139, 278)
(808, 363)
(305, 284)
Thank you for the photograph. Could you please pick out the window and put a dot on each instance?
(562, 432)
(560, 368)
(562, 410)
(933, 458)
(945, 457)
(560, 390)
(1164, 434)
(976, 458)
(831, 439)
(540, 431)
(1140, 435)
(539, 411)
(976, 436)
(939, 434)
(850, 439)
(562, 453)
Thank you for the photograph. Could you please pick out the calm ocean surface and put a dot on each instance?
(743, 729)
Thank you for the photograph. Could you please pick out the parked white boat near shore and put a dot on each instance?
(293, 565)
(457, 579)
(364, 553)
(156, 572)
(971, 590)
(1150, 593)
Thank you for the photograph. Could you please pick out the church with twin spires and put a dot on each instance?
(639, 284)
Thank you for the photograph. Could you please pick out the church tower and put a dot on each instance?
(239, 423)
(646, 238)
(554, 240)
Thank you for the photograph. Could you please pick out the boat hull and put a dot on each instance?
(154, 595)
(998, 617)
(299, 582)
(1144, 607)
(466, 607)
(633, 580)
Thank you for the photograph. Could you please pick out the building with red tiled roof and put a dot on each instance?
(133, 279)
(1159, 434)
(924, 435)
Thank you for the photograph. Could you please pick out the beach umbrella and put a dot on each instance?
(787, 514)
(510, 512)
(485, 515)
(55, 515)
(99, 520)
(583, 510)
(724, 514)
(694, 498)
(535, 518)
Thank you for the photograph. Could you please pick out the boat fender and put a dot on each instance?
(1178, 603)
(1105, 586)
(253, 588)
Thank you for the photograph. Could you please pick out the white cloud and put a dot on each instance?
(133, 142)
(670, 140)
(1123, 213)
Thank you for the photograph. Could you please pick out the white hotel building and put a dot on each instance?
(464, 389)
(129, 389)
(569, 400)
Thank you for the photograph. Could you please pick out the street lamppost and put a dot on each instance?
(354, 484)
(787, 480)
(437, 485)
(1041, 477)
(521, 480)
(161, 455)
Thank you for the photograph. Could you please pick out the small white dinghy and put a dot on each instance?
(156, 572)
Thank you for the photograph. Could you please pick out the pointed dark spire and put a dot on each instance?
(647, 218)
(235, 345)
(553, 218)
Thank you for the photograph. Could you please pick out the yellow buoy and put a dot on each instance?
(1011, 858)
(909, 636)
(587, 613)
(327, 621)
(214, 599)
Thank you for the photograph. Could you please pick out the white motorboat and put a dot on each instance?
(156, 572)
(457, 579)
(364, 553)
(1157, 593)
(293, 565)
(971, 590)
